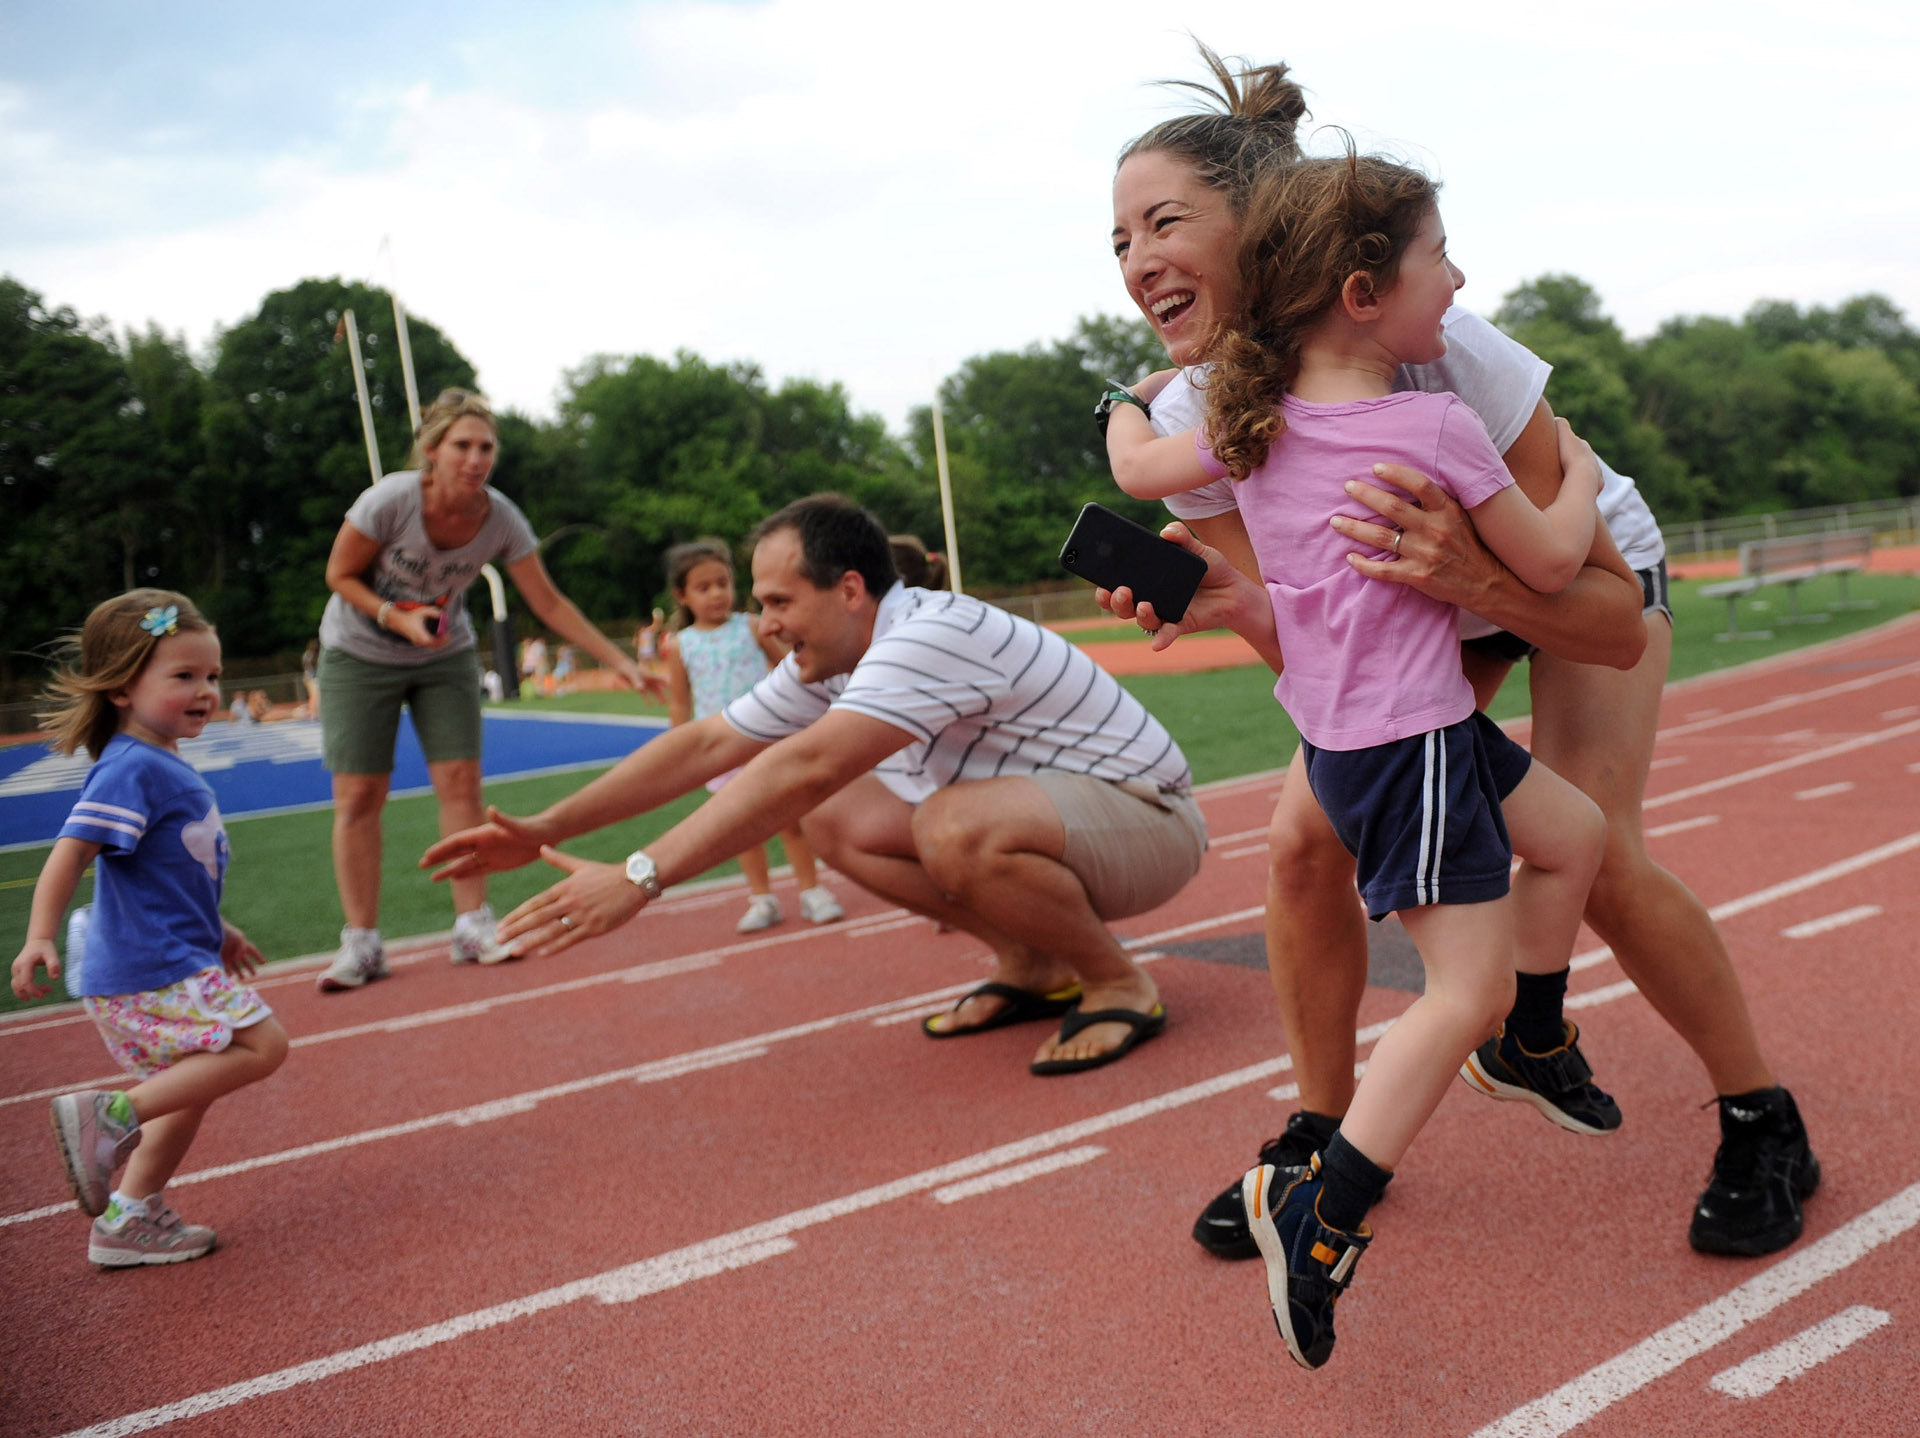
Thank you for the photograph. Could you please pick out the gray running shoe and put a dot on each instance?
(476, 939)
(96, 1130)
(157, 1236)
(362, 957)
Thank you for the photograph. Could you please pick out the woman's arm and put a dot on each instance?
(1594, 620)
(1150, 466)
(59, 877)
(1226, 599)
(563, 617)
(352, 556)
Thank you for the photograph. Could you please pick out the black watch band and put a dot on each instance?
(1116, 394)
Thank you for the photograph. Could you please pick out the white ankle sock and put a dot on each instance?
(120, 1208)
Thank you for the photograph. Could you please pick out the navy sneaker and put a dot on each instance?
(1762, 1172)
(1559, 1082)
(1308, 1264)
(1221, 1228)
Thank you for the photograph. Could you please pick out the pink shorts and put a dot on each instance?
(148, 1032)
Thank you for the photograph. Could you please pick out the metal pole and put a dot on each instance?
(505, 662)
(946, 497)
(406, 361)
(366, 406)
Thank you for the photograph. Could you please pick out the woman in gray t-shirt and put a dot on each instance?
(396, 633)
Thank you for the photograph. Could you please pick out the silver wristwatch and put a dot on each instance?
(642, 874)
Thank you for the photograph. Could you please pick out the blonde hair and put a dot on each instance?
(449, 406)
(105, 656)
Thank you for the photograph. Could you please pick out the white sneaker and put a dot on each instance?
(763, 912)
(476, 940)
(361, 957)
(820, 906)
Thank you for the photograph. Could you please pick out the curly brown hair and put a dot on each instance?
(1309, 227)
(105, 656)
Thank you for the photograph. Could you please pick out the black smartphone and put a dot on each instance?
(1113, 551)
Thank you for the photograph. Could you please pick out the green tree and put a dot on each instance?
(285, 453)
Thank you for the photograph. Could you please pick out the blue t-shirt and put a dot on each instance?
(163, 857)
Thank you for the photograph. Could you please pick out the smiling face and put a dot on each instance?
(1410, 314)
(176, 694)
(826, 629)
(1176, 239)
(464, 456)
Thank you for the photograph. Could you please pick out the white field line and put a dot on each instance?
(1019, 1173)
(1827, 925)
(1905, 711)
(1783, 890)
(1781, 766)
(1572, 1404)
(1826, 791)
(1247, 851)
(1715, 718)
(1802, 1353)
(1668, 761)
(1680, 826)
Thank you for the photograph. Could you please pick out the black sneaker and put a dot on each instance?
(1763, 1171)
(1559, 1082)
(1221, 1228)
(1308, 1264)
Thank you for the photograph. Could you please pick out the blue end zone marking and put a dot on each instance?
(269, 768)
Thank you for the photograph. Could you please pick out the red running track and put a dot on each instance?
(680, 1182)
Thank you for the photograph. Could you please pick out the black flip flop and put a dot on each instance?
(1142, 1027)
(1022, 1006)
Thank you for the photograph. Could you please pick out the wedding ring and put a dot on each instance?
(1398, 535)
(566, 922)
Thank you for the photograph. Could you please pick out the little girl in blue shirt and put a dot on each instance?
(161, 965)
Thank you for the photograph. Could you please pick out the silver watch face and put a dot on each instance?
(641, 873)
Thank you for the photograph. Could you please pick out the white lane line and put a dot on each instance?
(1784, 890)
(1288, 1092)
(1802, 1353)
(1680, 826)
(619, 1285)
(1905, 711)
(1668, 761)
(1572, 1404)
(1246, 853)
(1831, 922)
(1221, 839)
(1826, 791)
(1019, 1173)
(1714, 718)
(1796, 736)
(1781, 766)
(697, 1260)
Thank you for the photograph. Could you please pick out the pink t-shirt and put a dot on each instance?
(1366, 663)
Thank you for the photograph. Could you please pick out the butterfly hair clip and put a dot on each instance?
(161, 621)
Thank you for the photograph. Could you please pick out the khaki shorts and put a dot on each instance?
(361, 718)
(1132, 846)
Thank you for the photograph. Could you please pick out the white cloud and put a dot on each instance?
(871, 193)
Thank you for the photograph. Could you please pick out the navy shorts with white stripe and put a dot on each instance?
(1422, 814)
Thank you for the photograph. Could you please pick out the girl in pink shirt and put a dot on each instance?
(1347, 278)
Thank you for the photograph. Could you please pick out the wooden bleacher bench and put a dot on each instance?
(1792, 562)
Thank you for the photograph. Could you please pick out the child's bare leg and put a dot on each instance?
(753, 863)
(164, 1142)
(1468, 953)
(198, 1079)
(805, 873)
(1560, 835)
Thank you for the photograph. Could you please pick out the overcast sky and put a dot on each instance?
(870, 193)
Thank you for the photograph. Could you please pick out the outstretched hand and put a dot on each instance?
(641, 682)
(593, 899)
(1430, 541)
(1221, 599)
(503, 842)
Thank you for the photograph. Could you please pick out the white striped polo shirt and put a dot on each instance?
(984, 693)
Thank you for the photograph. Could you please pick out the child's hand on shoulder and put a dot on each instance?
(38, 953)
(238, 956)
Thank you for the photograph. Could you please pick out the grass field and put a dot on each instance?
(280, 888)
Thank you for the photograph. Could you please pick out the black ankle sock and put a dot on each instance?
(1351, 1184)
(1535, 1018)
(1766, 1100)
